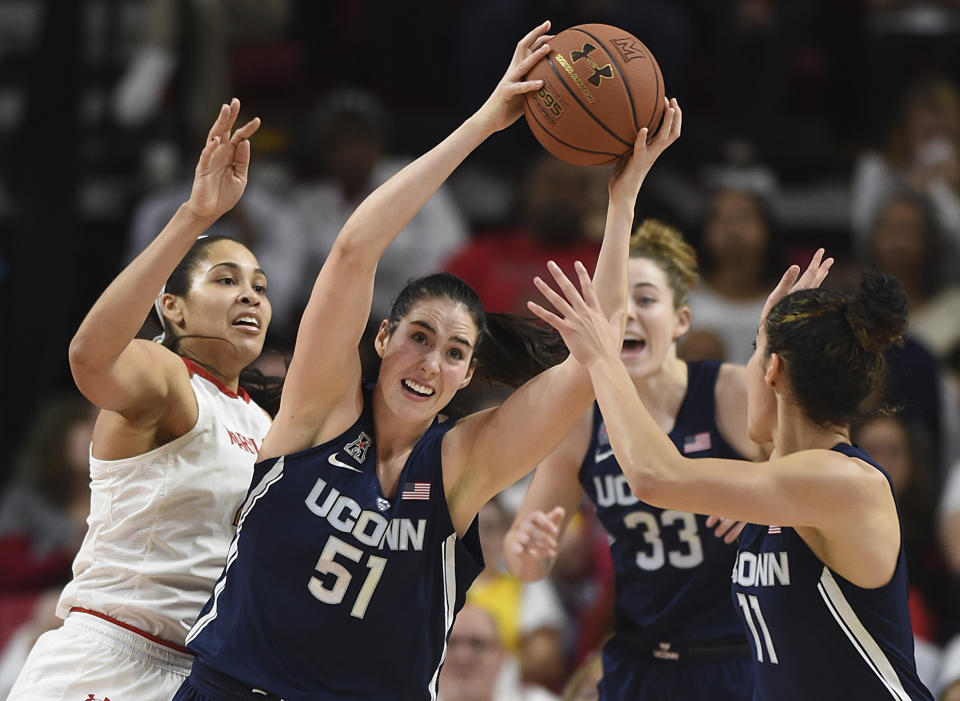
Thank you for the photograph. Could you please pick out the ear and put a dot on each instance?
(773, 372)
(383, 336)
(470, 371)
(172, 308)
(682, 323)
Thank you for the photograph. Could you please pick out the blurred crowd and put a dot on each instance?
(805, 124)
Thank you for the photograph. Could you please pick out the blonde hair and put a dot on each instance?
(664, 245)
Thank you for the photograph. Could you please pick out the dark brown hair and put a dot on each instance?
(265, 390)
(833, 345)
(510, 349)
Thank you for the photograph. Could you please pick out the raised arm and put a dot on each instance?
(324, 372)
(816, 488)
(111, 368)
(491, 450)
(610, 276)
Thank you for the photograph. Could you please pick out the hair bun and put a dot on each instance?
(878, 313)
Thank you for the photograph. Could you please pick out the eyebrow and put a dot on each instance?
(234, 266)
(645, 284)
(428, 327)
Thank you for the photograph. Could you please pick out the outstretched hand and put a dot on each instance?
(505, 104)
(628, 175)
(579, 320)
(221, 174)
(792, 281)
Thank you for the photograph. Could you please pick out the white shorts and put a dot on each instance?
(89, 659)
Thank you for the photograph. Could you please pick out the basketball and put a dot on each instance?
(601, 86)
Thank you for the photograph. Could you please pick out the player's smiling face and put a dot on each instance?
(427, 357)
(653, 323)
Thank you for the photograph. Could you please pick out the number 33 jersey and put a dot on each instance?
(670, 568)
(333, 590)
(813, 634)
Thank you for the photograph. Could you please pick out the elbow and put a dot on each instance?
(82, 363)
(645, 484)
(78, 353)
(643, 487)
(348, 253)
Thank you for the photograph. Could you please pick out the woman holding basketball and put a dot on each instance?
(358, 537)
(677, 635)
(822, 594)
(173, 447)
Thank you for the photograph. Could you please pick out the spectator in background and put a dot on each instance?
(738, 257)
(933, 597)
(41, 617)
(43, 512)
(43, 515)
(477, 667)
(200, 34)
(528, 615)
(904, 243)
(261, 221)
(561, 219)
(948, 518)
(345, 159)
(904, 240)
(898, 40)
(950, 672)
(583, 576)
(922, 152)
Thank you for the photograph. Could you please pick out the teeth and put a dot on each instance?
(417, 387)
(247, 320)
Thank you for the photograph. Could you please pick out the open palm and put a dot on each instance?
(579, 319)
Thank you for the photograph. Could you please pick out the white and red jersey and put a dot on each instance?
(160, 523)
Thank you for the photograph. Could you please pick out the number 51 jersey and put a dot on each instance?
(332, 590)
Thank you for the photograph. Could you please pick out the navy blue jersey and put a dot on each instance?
(813, 634)
(332, 590)
(670, 568)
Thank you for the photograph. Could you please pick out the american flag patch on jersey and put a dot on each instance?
(416, 490)
(696, 442)
(773, 530)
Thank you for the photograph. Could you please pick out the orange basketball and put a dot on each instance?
(601, 86)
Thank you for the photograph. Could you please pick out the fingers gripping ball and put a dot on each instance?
(601, 86)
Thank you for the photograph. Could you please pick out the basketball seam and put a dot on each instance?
(614, 156)
(577, 100)
(626, 84)
(656, 75)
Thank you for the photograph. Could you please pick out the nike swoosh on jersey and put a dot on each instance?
(332, 459)
(601, 456)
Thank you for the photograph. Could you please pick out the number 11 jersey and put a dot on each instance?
(813, 634)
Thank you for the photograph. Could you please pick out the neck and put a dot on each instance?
(230, 378)
(395, 436)
(662, 391)
(795, 431)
